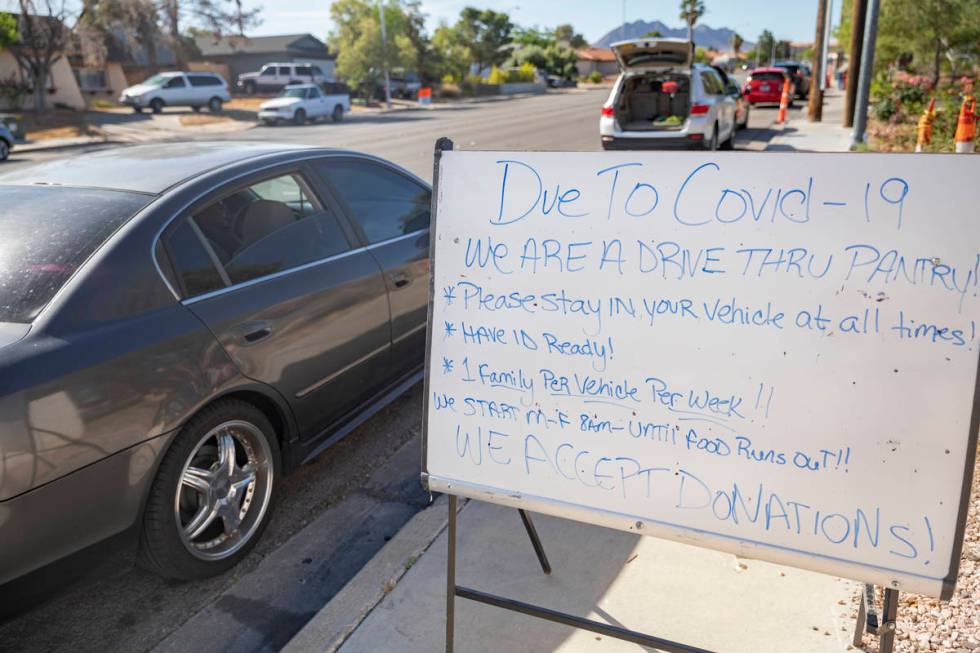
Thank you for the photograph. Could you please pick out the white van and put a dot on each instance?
(662, 99)
(178, 89)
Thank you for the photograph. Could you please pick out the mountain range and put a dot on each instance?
(704, 36)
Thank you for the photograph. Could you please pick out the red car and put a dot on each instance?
(765, 85)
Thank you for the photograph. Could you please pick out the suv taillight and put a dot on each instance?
(698, 109)
(608, 112)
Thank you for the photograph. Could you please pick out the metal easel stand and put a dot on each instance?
(868, 620)
(453, 590)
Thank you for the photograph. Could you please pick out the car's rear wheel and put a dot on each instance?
(214, 105)
(213, 494)
(4, 150)
(338, 113)
(250, 88)
(299, 117)
(711, 143)
(156, 105)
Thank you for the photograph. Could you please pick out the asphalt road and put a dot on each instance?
(335, 513)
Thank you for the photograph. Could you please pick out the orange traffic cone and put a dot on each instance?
(924, 136)
(783, 103)
(966, 126)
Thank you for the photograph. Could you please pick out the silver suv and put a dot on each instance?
(277, 76)
(662, 99)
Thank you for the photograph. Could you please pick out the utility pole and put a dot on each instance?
(622, 29)
(854, 58)
(824, 56)
(867, 69)
(815, 106)
(384, 54)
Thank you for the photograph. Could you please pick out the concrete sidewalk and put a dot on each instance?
(670, 590)
(801, 135)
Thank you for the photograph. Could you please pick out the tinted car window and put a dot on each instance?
(204, 80)
(194, 266)
(268, 227)
(303, 70)
(46, 234)
(284, 70)
(384, 203)
(711, 83)
(317, 71)
(268, 70)
(769, 77)
(175, 82)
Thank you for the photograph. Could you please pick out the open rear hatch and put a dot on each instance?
(656, 89)
(653, 54)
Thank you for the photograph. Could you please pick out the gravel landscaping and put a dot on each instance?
(926, 624)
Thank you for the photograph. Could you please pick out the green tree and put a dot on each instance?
(566, 34)
(653, 34)
(783, 49)
(938, 34)
(486, 32)
(691, 11)
(764, 46)
(357, 40)
(451, 53)
(8, 30)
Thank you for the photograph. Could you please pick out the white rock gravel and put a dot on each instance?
(926, 624)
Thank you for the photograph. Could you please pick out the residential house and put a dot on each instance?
(61, 85)
(249, 54)
(597, 59)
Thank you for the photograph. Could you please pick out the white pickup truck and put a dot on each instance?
(299, 103)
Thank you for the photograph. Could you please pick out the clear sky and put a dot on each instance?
(793, 20)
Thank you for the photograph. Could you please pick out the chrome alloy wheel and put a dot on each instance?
(224, 490)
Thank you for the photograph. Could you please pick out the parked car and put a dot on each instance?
(405, 88)
(178, 89)
(765, 86)
(276, 76)
(301, 102)
(6, 141)
(799, 75)
(188, 322)
(663, 99)
(554, 81)
(735, 93)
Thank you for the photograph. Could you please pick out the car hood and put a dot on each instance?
(653, 54)
(139, 89)
(280, 103)
(11, 333)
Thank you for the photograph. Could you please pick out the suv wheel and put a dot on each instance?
(213, 494)
(250, 88)
(711, 143)
(338, 113)
(156, 105)
(214, 105)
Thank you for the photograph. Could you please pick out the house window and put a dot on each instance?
(91, 79)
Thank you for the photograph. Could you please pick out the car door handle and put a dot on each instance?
(400, 280)
(258, 334)
(252, 332)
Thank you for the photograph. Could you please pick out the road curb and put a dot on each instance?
(335, 622)
(25, 148)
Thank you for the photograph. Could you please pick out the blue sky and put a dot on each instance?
(793, 20)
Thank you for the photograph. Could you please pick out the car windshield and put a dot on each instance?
(157, 80)
(46, 234)
(293, 92)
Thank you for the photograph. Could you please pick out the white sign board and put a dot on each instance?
(774, 355)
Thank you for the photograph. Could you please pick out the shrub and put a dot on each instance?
(497, 76)
(595, 77)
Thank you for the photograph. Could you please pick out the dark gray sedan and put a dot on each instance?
(180, 325)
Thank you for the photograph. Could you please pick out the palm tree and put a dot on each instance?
(737, 42)
(691, 10)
